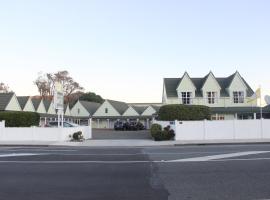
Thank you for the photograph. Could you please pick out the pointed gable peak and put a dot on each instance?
(185, 75)
(210, 74)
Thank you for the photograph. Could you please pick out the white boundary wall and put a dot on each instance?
(220, 130)
(41, 133)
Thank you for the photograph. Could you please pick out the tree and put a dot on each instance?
(4, 88)
(91, 96)
(45, 84)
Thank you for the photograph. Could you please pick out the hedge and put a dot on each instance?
(20, 119)
(183, 112)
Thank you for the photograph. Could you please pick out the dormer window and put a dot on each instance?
(186, 97)
(238, 97)
(106, 110)
(211, 97)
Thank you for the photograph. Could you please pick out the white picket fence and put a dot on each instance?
(219, 130)
(41, 133)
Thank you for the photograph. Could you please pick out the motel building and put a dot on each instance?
(228, 97)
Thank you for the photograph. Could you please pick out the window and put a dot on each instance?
(186, 98)
(78, 110)
(211, 97)
(106, 110)
(238, 97)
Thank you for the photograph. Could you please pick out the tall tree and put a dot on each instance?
(4, 88)
(91, 96)
(46, 82)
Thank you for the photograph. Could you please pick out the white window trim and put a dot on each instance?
(186, 99)
(238, 97)
(213, 97)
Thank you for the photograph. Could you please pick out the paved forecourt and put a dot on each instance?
(189, 172)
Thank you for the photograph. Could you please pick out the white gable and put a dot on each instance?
(13, 104)
(149, 111)
(68, 112)
(51, 109)
(106, 106)
(186, 85)
(41, 108)
(79, 111)
(29, 107)
(130, 112)
(211, 84)
(237, 84)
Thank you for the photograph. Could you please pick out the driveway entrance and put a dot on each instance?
(105, 134)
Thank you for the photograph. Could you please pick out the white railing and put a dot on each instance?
(220, 130)
(41, 133)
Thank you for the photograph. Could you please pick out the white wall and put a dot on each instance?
(41, 134)
(221, 130)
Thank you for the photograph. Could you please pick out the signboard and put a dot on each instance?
(58, 96)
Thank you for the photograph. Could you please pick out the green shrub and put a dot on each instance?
(183, 112)
(20, 119)
(155, 128)
(159, 135)
(77, 136)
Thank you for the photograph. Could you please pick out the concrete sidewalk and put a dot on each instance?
(131, 143)
(143, 142)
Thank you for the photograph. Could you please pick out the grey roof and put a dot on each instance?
(36, 103)
(47, 104)
(139, 109)
(91, 107)
(119, 106)
(22, 101)
(156, 107)
(5, 99)
(233, 110)
(171, 85)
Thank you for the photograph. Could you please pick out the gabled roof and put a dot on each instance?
(91, 107)
(139, 109)
(156, 107)
(36, 102)
(119, 106)
(23, 100)
(5, 99)
(47, 104)
(171, 85)
(185, 74)
(206, 77)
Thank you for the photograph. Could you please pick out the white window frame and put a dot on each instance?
(186, 98)
(238, 97)
(211, 97)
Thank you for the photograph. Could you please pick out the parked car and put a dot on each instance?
(65, 124)
(130, 126)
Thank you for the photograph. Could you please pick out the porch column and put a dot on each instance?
(147, 124)
(235, 116)
(254, 116)
(108, 123)
(97, 123)
(216, 116)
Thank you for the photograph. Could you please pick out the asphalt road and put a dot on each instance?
(101, 134)
(156, 173)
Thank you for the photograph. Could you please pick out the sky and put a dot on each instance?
(122, 49)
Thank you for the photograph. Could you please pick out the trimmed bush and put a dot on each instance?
(20, 119)
(183, 112)
(159, 135)
(77, 136)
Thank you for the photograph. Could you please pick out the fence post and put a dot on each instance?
(234, 132)
(204, 129)
(176, 123)
(261, 127)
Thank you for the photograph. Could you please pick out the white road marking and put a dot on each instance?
(117, 162)
(17, 155)
(220, 156)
